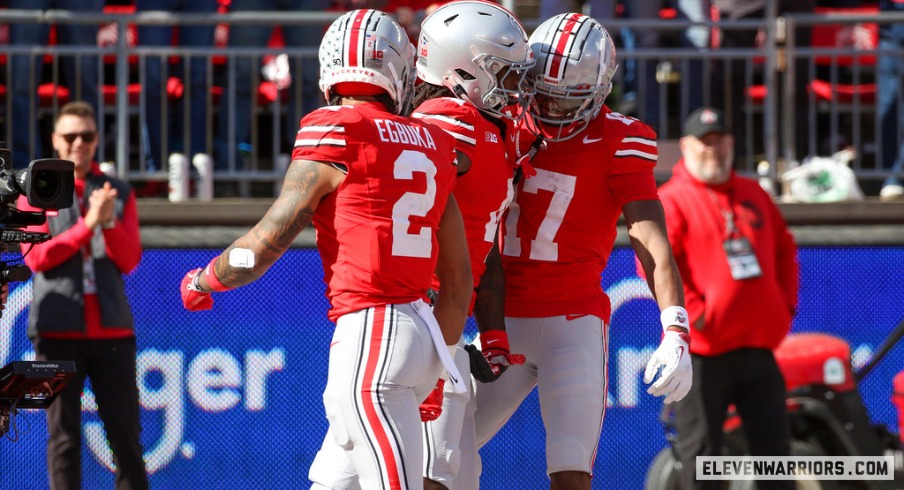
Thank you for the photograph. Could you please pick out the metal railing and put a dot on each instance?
(854, 122)
(769, 124)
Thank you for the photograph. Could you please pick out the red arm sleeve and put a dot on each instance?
(123, 241)
(59, 249)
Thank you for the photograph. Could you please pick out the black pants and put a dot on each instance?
(110, 364)
(748, 378)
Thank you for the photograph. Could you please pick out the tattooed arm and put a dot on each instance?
(306, 183)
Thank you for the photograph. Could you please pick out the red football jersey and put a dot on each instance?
(559, 230)
(377, 232)
(485, 190)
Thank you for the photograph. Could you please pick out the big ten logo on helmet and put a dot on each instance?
(372, 56)
(169, 384)
(424, 44)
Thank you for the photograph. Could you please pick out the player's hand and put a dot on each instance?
(193, 299)
(673, 358)
(432, 406)
(488, 365)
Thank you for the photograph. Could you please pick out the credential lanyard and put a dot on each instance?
(731, 229)
(742, 261)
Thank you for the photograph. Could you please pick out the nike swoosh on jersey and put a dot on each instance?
(588, 139)
(492, 341)
(570, 316)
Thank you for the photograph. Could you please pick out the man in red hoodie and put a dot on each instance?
(739, 267)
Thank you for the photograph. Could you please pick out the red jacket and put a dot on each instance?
(726, 313)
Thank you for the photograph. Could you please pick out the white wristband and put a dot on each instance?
(674, 315)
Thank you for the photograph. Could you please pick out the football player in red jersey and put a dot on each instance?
(557, 236)
(472, 58)
(377, 187)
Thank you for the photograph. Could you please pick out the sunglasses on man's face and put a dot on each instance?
(87, 137)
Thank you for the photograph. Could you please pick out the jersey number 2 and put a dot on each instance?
(543, 247)
(404, 243)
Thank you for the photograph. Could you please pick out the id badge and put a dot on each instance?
(89, 282)
(741, 259)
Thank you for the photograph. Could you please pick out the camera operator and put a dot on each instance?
(80, 311)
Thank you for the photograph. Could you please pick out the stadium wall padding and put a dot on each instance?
(232, 397)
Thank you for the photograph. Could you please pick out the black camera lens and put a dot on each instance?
(48, 183)
(45, 184)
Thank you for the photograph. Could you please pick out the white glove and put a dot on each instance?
(674, 358)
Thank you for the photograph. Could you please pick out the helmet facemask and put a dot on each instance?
(566, 112)
(479, 51)
(507, 86)
(575, 65)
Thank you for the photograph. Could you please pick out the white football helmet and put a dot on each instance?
(573, 76)
(365, 52)
(479, 51)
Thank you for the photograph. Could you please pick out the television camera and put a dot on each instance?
(49, 185)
